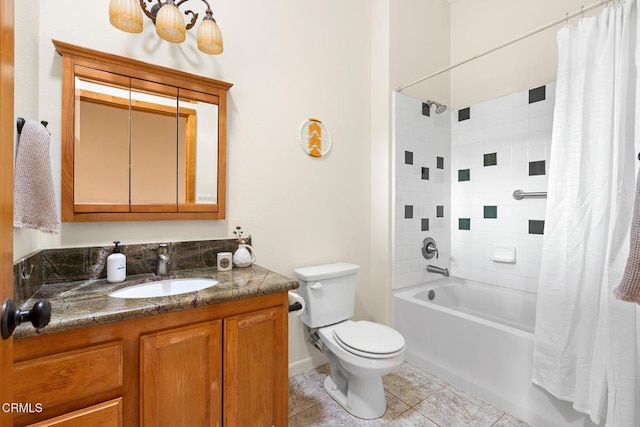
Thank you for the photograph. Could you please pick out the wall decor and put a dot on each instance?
(315, 138)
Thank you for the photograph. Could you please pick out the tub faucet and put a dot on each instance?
(439, 270)
(163, 267)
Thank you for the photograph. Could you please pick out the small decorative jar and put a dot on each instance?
(244, 256)
(224, 261)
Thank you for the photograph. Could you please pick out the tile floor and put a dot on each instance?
(415, 398)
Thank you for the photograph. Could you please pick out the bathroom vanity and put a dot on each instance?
(213, 357)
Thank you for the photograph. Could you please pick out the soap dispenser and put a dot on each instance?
(116, 265)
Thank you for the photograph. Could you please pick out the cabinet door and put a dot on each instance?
(69, 376)
(107, 414)
(255, 360)
(180, 376)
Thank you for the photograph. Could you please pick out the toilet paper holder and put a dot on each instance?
(295, 306)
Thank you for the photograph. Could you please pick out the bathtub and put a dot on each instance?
(480, 338)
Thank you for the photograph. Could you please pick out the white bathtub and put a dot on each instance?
(480, 338)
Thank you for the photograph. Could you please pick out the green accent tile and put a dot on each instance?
(464, 223)
(491, 212)
(464, 174)
(491, 159)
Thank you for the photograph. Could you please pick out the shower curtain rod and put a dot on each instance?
(566, 18)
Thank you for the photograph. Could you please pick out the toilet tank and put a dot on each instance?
(329, 292)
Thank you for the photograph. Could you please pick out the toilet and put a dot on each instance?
(359, 352)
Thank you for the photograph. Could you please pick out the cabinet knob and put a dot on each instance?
(12, 316)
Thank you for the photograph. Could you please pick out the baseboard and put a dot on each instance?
(304, 365)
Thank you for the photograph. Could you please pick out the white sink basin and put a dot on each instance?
(163, 288)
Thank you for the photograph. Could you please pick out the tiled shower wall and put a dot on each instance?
(455, 174)
(499, 146)
(422, 188)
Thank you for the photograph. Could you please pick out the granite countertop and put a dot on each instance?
(86, 303)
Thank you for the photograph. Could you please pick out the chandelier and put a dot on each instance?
(126, 15)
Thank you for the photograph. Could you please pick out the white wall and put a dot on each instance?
(288, 61)
(477, 26)
(26, 98)
(419, 45)
(338, 61)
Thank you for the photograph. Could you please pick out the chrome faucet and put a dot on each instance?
(163, 267)
(439, 270)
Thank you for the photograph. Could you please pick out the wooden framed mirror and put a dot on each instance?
(140, 141)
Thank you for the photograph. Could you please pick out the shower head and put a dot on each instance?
(440, 108)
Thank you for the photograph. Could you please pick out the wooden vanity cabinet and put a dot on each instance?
(223, 364)
(181, 376)
(254, 355)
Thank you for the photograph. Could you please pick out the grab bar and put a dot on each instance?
(519, 194)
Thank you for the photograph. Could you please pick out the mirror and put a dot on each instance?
(142, 148)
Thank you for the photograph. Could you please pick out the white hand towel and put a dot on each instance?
(34, 200)
(629, 287)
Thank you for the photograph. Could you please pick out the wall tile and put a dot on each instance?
(464, 114)
(518, 133)
(491, 159)
(420, 187)
(537, 94)
(425, 173)
(537, 168)
(464, 175)
(491, 212)
(408, 157)
(426, 109)
(536, 226)
(408, 211)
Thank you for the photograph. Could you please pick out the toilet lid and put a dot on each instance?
(369, 339)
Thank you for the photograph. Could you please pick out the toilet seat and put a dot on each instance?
(369, 339)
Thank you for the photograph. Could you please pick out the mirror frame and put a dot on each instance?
(73, 56)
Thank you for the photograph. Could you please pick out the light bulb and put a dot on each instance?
(125, 15)
(209, 36)
(170, 25)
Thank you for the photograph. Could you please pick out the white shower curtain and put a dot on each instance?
(587, 343)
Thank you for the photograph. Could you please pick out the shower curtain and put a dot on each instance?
(587, 342)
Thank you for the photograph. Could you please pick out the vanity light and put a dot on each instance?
(126, 15)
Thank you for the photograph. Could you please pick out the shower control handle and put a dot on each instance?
(429, 248)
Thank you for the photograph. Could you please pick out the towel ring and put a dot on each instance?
(20, 124)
